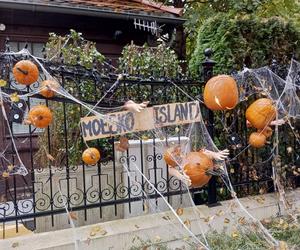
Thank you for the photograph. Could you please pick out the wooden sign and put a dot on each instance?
(119, 123)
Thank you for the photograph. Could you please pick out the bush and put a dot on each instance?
(246, 40)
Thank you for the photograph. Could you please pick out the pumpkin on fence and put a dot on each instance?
(91, 156)
(47, 88)
(25, 72)
(172, 156)
(40, 116)
(196, 166)
(257, 140)
(267, 131)
(221, 93)
(261, 113)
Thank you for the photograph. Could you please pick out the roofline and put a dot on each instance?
(87, 11)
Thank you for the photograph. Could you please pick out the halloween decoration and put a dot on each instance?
(26, 72)
(135, 107)
(221, 93)
(196, 166)
(267, 132)
(91, 156)
(123, 145)
(261, 113)
(172, 156)
(47, 88)
(257, 140)
(40, 116)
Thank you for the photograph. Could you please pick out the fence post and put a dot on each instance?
(208, 65)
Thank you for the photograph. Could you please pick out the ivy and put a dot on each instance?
(150, 61)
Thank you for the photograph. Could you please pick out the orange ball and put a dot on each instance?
(261, 113)
(26, 72)
(267, 132)
(91, 156)
(221, 93)
(196, 165)
(47, 88)
(40, 116)
(257, 140)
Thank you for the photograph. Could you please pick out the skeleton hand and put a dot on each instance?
(221, 155)
(135, 107)
(180, 176)
(278, 122)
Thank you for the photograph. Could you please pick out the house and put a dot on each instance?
(110, 23)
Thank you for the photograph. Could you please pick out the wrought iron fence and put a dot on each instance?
(105, 189)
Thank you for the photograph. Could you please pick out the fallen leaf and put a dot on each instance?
(226, 220)
(92, 233)
(97, 229)
(5, 174)
(10, 167)
(72, 215)
(15, 244)
(234, 234)
(187, 223)
(220, 213)
(166, 217)
(145, 138)
(242, 220)
(14, 97)
(179, 211)
(283, 245)
(3, 83)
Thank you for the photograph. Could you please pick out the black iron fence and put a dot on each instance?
(52, 156)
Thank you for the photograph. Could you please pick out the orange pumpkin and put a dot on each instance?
(91, 156)
(261, 113)
(267, 132)
(196, 165)
(172, 156)
(26, 72)
(257, 140)
(40, 116)
(221, 93)
(47, 87)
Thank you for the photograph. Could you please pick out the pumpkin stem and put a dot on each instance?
(25, 72)
(40, 117)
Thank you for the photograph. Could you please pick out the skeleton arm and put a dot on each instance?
(278, 122)
(221, 155)
(181, 176)
(135, 107)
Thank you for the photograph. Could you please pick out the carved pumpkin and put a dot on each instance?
(40, 116)
(172, 156)
(91, 156)
(26, 72)
(267, 132)
(221, 93)
(47, 88)
(261, 113)
(196, 165)
(257, 140)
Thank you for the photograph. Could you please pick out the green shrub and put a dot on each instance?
(245, 40)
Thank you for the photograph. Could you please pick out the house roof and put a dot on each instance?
(125, 9)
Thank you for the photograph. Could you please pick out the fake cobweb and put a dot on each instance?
(237, 220)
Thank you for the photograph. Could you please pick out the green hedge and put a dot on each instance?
(248, 40)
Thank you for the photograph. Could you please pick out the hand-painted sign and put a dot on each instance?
(119, 123)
